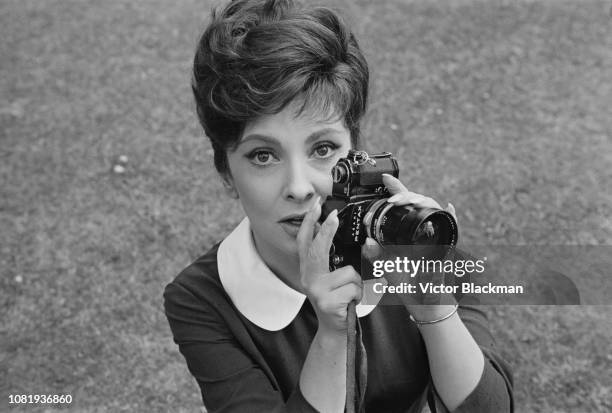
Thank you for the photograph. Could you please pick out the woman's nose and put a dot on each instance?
(299, 186)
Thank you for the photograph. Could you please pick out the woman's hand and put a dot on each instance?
(329, 292)
(420, 304)
(401, 196)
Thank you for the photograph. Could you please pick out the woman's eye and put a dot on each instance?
(324, 150)
(262, 158)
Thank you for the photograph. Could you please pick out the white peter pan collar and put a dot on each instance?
(256, 292)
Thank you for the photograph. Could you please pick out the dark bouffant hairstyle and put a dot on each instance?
(257, 56)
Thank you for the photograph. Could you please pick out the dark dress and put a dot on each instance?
(241, 367)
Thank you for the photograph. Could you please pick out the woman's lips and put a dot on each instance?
(293, 218)
(295, 221)
(292, 225)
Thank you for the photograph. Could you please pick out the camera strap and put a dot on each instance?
(356, 363)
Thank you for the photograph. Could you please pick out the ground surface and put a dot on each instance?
(501, 107)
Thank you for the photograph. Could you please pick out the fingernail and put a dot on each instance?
(370, 242)
(333, 216)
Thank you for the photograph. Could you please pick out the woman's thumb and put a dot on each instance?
(370, 249)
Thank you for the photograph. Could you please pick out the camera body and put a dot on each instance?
(357, 183)
(360, 196)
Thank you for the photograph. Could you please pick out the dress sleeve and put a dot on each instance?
(493, 393)
(230, 381)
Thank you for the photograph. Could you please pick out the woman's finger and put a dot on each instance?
(315, 259)
(347, 293)
(399, 193)
(393, 184)
(451, 210)
(307, 229)
(405, 198)
(342, 276)
(414, 199)
(317, 228)
(323, 241)
(401, 196)
(371, 249)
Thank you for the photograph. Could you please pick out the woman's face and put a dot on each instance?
(282, 162)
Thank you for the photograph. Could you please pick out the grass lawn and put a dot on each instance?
(502, 108)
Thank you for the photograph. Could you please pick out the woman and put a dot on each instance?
(260, 319)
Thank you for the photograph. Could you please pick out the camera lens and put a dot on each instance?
(402, 225)
(428, 233)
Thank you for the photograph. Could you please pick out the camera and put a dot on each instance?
(360, 196)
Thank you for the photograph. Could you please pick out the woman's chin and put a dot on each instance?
(278, 241)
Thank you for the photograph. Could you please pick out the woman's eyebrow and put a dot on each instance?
(256, 136)
(322, 132)
(273, 141)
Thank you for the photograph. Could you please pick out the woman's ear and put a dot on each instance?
(228, 184)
